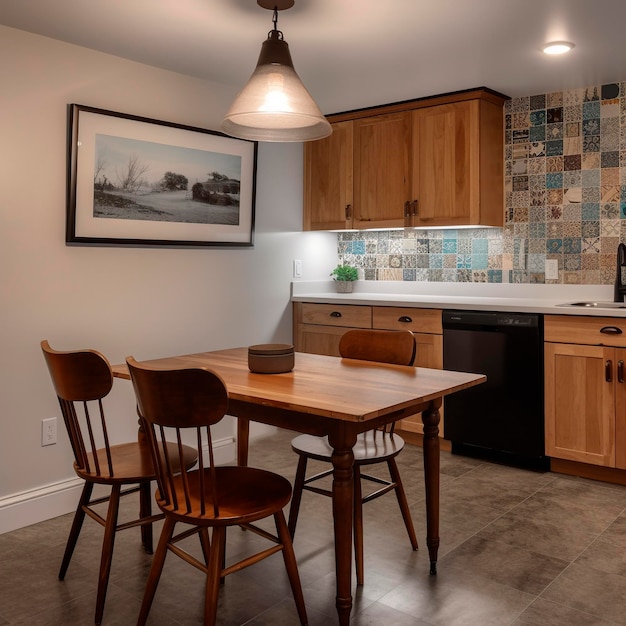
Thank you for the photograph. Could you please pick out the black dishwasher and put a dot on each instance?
(503, 419)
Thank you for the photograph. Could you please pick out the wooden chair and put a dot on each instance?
(373, 447)
(81, 380)
(209, 496)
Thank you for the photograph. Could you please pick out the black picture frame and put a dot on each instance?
(136, 181)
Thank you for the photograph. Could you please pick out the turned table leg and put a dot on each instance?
(343, 493)
(430, 419)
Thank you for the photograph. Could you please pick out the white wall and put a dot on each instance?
(139, 301)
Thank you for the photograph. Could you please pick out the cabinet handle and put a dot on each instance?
(348, 211)
(414, 206)
(611, 330)
(405, 318)
(608, 371)
(620, 371)
(335, 314)
(407, 210)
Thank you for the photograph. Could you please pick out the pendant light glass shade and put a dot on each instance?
(274, 105)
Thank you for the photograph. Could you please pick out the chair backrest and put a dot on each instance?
(81, 379)
(170, 402)
(385, 346)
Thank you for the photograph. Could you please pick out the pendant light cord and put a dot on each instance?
(275, 32)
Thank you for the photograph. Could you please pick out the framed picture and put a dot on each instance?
(136, 181)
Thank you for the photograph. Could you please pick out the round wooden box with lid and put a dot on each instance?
(271, 358)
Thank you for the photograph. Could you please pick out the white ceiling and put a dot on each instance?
(353, 53)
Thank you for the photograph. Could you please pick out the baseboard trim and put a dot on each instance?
(43, 503)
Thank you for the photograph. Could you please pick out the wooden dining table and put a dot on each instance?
(340, 398)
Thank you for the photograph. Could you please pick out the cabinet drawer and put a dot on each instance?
(593, 331)
(336, 315)
(408, 318)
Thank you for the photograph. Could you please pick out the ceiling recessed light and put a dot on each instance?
(557, 47)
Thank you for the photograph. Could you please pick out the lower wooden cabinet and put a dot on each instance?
(585, 390)
(319, 327)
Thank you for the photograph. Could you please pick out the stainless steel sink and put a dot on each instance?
(597, 305)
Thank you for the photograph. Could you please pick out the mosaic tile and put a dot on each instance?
(610, 109)
(591, 93)
(479, 276)
(554, 99)
(495, 261)
(537, 182)
(519, 104)
(519, 150)
(590, 258)
(591, 143)
(591, 111)
(572, 162)
(553, 246)
(536, 166)
(554, 213)
(421, 246)
(554, 164)
(571, 278)
(608, 245)
(520, 120)
(520, 183)
(610, 176)
(572, 212)
(610, 228)
(591, 161)
(449, 261)
(508, 121)
(537, 134)
(520, 135)
(554, 196)
(520, 214)
(572, 228)
(554, 115)
(464, 276)
(610, 193)
(464, 245)
(573, 97)
(422, 275)
(573, 179)
(537, 198)
(591, 211)
(554, 147)
(436, 275)
(572, 129)
(591, 126)
(591, 193)
(537, 102)
(536, 246)
(573, 113)
(520, 199)
(554, 180)
(537, 214)
(590, 229)
(609, 211)
(420, 260)
(610, 91)
(408, 274)
(410, 260)
(435, 261)
(536, 262)
(609, 159)
(536, 277)
(537, 149)
(572, 145)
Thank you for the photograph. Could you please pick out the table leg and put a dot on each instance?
(343, 493)
(430, 419)
(243, 437)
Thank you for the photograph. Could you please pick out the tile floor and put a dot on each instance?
(517, 548)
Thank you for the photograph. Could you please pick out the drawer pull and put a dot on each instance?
(405, 318)
(335, 314)
(611, 330)
(608, 371)
(620, 371)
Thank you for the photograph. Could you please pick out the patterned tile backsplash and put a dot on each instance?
(565, 199)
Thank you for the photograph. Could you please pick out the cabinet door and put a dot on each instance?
(445, 163)
(620, 409)
(381, 170)
(580, 403)
(328, 180)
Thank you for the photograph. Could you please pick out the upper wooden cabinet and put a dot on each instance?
(430, 162)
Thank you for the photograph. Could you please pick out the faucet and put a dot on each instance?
(619, 294)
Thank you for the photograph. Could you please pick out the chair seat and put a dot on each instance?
(131, 462)
(245, 494)
(371, 447)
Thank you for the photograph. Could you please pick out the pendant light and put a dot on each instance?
(275, 105)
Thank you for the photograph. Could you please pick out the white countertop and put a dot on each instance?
(509, 297)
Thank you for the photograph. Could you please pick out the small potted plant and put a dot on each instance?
(344, 277)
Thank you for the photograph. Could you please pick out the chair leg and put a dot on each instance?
(107, 550)
(77, 524)
(402, 502)
(291, 565)
(358, 526)
(145, 510)
(296, 497)
(155, 570)
(214, 575)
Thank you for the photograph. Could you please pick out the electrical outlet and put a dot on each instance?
(297, 268)
(48, 431)
(552, 269)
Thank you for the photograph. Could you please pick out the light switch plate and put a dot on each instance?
(297, 268)
(552, 269)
